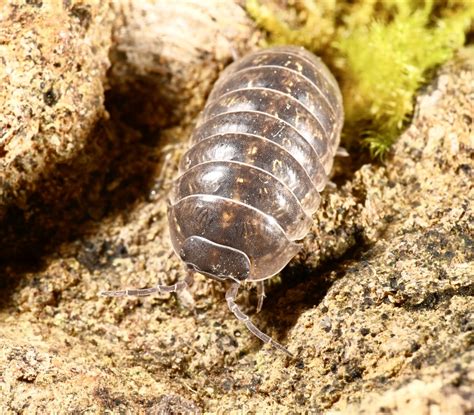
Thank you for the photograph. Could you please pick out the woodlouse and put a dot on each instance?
(250, 182)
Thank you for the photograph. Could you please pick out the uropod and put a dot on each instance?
(250, 182)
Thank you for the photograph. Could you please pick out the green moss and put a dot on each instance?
(381, 51)
(307, 24)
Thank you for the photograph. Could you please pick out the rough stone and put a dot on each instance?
(53, 65)
(53, 140)
(166, 57)
(377, 308)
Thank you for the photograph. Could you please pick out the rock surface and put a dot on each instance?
(53, 63)
(166, 57)
(376, 308)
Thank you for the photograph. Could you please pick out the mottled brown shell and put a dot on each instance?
(260, 156)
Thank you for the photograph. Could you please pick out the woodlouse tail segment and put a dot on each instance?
(234, 52)
(230, 296)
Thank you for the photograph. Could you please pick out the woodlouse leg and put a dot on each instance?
(172, 153)
(144, 292)
(342, 152)
(230, 296)
(260, 294)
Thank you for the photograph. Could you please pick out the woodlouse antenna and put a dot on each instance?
(144, 292)
(230, 296)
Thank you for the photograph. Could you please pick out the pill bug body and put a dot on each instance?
(259, 157)
(250, 182)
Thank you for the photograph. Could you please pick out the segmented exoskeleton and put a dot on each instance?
(250, 182)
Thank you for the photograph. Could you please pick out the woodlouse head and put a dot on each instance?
(214, 260)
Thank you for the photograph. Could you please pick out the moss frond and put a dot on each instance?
(308, 23)
(386, 63)
(382, 51)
